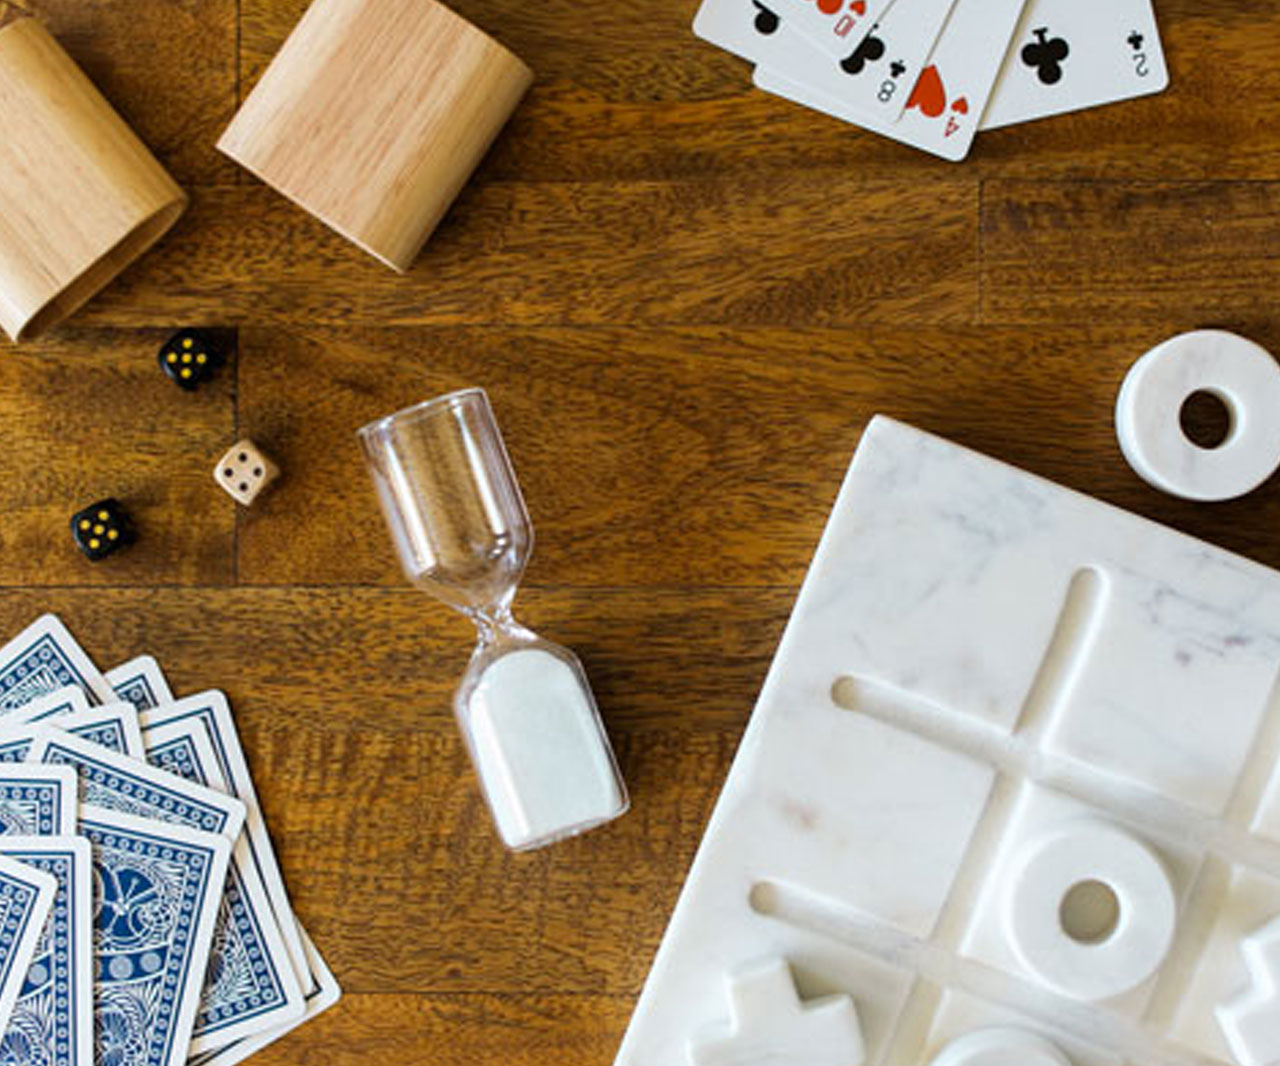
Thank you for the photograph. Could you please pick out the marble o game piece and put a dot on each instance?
(1000, 1047)
(1013, 770)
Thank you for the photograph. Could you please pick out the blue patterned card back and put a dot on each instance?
(251, 983)
(157, 887)
(52, 1020)
(44, 657)
(141, 682)
(26, 897)
(118, 782)
(37, 801)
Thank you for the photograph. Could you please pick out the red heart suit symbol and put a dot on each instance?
(858, 7)
(929, 95)
(961, 106)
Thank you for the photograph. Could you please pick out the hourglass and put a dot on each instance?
(462, 533)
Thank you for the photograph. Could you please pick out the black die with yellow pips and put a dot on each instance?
(190, 356)
(102, 529)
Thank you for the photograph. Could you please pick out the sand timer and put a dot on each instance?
(462, 533)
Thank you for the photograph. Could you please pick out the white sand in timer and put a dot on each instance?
(538, 749)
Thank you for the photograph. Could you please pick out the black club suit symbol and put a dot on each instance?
(766, 20)
(1047, 56)
(870, 50)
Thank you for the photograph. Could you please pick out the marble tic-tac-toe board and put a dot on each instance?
(1009, 797)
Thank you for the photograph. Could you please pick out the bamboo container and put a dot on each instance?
(80, 196)
(373, 115)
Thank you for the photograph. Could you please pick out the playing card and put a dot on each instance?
(322, 996)
(141, 682)
(212, 711)
(66, 700)
(98, 725)
(876, 82)
(118, 782)
(26, 896)
(747, 28)
(113, 725)
(156, 892)
(837, 28)
(251, 986)
(1071, 54)
(37, 800)
(942, 111)
(320, 989)
(52, 1020)
(45, 657)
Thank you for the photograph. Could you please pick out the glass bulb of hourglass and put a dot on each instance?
(463, 534)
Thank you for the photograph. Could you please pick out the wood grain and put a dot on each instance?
(740, 251)
(168, 66)
(88, 414)
(447, 1030)
(1178, 254)
(686, 299)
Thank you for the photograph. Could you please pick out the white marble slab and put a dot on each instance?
(978, 656)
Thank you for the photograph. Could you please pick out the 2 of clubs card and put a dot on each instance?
(1068, 55)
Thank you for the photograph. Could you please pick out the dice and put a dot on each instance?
(244, 471)
(101, 529)
(190, 356)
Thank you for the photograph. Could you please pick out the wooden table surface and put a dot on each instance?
(686, 299)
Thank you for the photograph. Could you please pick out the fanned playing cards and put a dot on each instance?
(143, 916)
(934, 73)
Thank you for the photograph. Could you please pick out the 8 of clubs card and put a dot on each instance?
(951, 94)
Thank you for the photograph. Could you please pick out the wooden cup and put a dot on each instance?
(373, 115)
(80, 196)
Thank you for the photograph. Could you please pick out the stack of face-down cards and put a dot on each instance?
(143, 917)
(933, 73)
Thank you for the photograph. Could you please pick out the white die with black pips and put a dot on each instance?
(245, 471)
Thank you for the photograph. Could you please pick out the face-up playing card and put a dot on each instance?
(251, 986)
(37, 800)
(942, 111)
(1072, 54)
(837, 28)
(141, 682)
(121, 783)
(157, 887)
(877, 80)
(45, 657)
(26, 897)
(320, 989)
(52, 1021)
(747, 28)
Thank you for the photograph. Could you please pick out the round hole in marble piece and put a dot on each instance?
(1090, 912)
(763, 898)
(1206, 419)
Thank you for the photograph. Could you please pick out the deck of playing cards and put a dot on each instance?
(143, 917)
(933, 73)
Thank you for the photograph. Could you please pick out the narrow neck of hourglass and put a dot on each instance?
(496, 625)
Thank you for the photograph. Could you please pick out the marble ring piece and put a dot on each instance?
(1239, 373)
(1113, 958)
